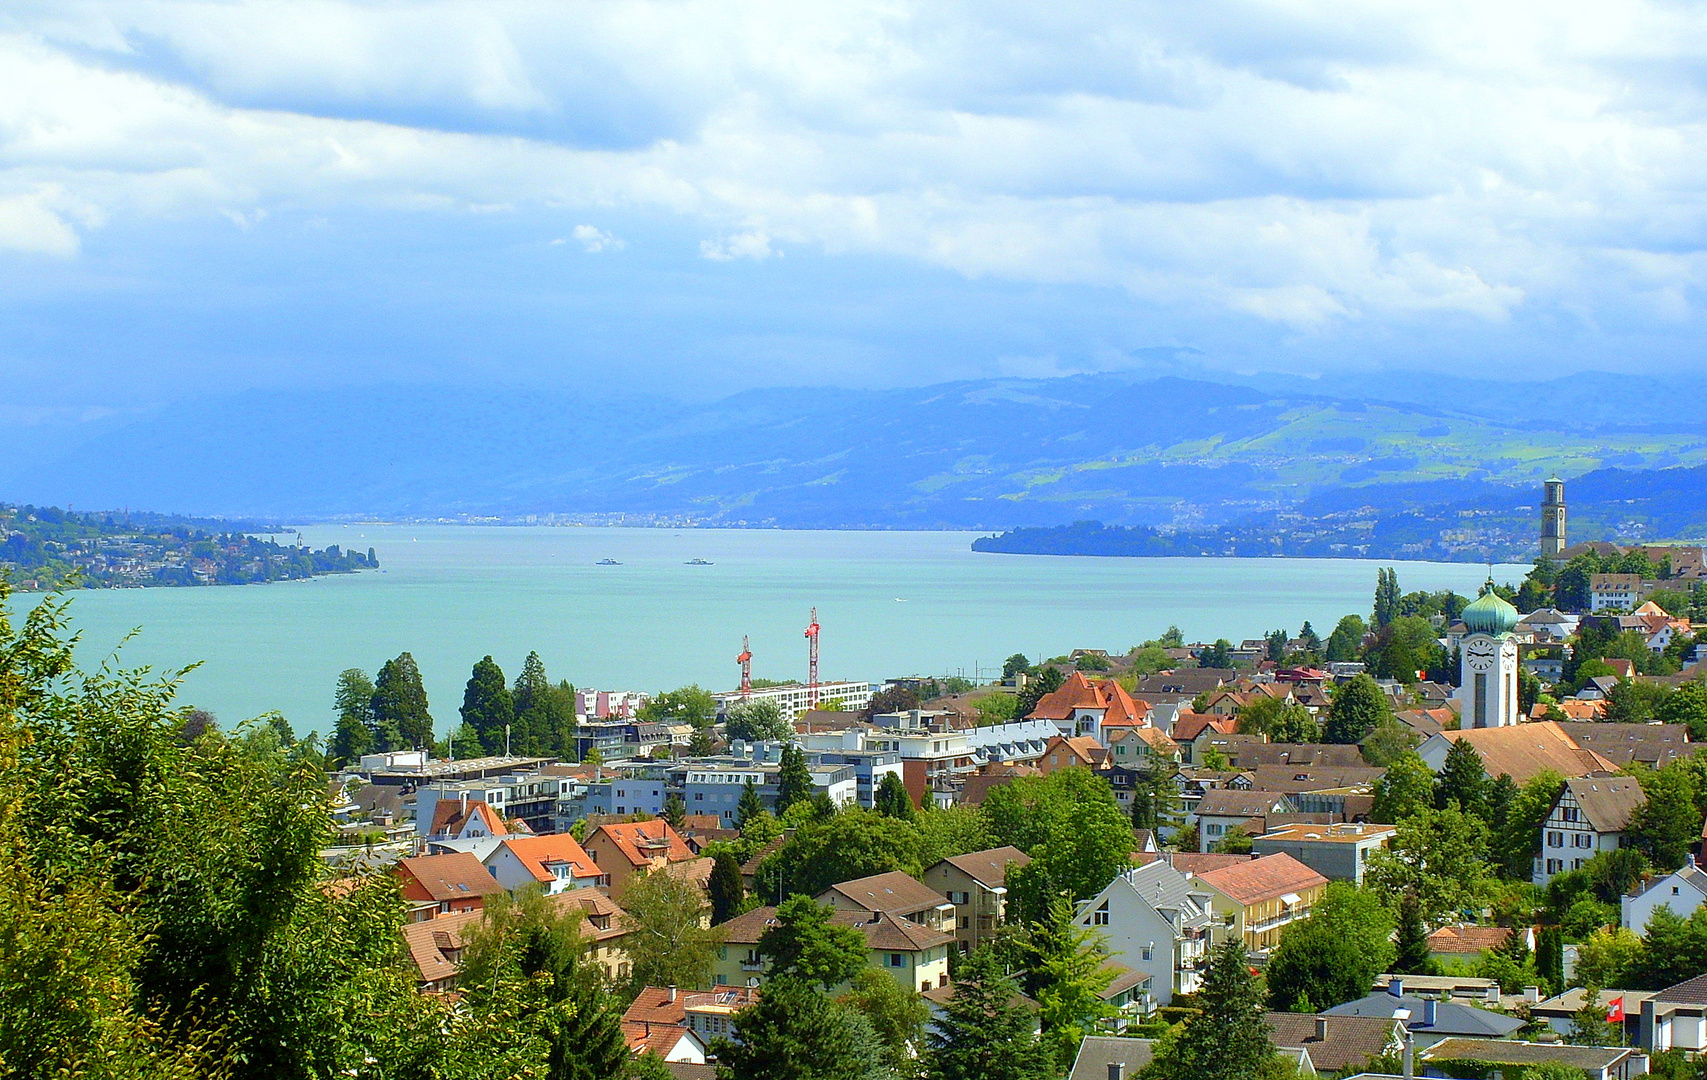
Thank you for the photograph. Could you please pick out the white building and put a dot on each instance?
(1682, 891)
(608, 704)
(1488, 664)
(1614, 592)
(1590, 815)
(795, 698)
(1158, 922)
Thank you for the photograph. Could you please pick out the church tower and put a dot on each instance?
(1487, 685)
(1552, 516)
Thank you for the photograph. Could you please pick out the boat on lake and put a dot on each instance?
(607, 562)
(697, 562)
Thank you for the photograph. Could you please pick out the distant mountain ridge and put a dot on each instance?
(987, 454)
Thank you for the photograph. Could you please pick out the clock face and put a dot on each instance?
(1479, 654)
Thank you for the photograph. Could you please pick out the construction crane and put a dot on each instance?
(812, 662)
(746, 662)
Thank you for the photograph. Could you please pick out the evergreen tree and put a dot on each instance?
(805, 945)
(793, 1032)
(725, 890)
(544, 713)
(1043, 682)
(1014, 665)
(400, 704)
(794, 781)
(1067, 977)
(1218, 655)
(1413, 950)
(487, 706)
(897, 1015)
(892, 799)
(1309, 641)
(1228, 1040)
(1359, 706)
(1463, 779)
(1346, 641)
(750, 805)
(674, 810)
(1386, 597)
(985, 1033)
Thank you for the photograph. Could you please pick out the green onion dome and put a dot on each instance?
(1490, 615)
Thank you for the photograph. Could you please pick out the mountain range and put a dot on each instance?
(987, 454)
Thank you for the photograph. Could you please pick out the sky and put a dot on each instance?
(689, 198)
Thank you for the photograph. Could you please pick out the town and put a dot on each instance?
(1455, 837)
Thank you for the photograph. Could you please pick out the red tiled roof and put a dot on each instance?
(1080, 691)
(642, 841)
(978, 785)
(1467, 940)
(539, 853)
(434, 945)
(1263, 879)
(1190, 862)
(1189, 725)
(451, 816)
(455, 876)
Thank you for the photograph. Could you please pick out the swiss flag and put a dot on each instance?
(1615, 1010)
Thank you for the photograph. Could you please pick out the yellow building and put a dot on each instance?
(916, 956)
(1259, 898)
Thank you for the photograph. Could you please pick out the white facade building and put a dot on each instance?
(1488, 664)
(1158, 922)
(1682, 892)
(1590, 816)
(795, 698)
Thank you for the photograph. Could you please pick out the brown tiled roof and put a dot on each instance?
(1262, 879)
(434, 944)
(1185, 681)
(539, 853)
(989, 867)
(1295, 779)
(1190, 862)
(1189, 725)
(1468, 940)
(883, 932)
(595, 908)
(978, 785)
(1522, 750)
(1651, 744)
(660, 1039)
(654, 1004)
(1426, 722)
(893, 891)
(1607, 801)
(641, 841)
(456, 876)
(1351, 1041)
(1231, 802)
(1689, 992)
(1124, 979)
(1250, 751)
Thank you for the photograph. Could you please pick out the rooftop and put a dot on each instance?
(989, 867)
(1343, 832)
(1263, 879)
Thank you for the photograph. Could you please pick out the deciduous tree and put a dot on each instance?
(1407, 787)
(892, 800)
(805, 944)
(1440, 856)
(1359, 705)
(666, 944)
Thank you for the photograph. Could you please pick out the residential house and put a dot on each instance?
(1614, 592)
(462, 819)
(1225, 811)
(1079, 751)
(1339, 851)
(435, 949)
(1429, 1020)
(1190, 863)
(555, 862)
(667, 1042)
(659, 1013)
(1320, 789)
(1157, 921)
(1228, 702)
(1560, 1012)
(1251, 751)
(1520, 751)
(1111, 1057)
(1574, 710)
(1427, 723)
(976, 883)
(622, 850)
(438, 885)
(604, 926)
(1590, 815)
(1653, 745)
(1506, 1057)
(1188, 681)
(894, 894)
(1337, 1043)
(976, 786)
(1676, 1018)
(1190, 729)
(916, 956)
(1469, 943)
(1260, 898)
(1083, 706)
(1682, 891)
(1141, 747)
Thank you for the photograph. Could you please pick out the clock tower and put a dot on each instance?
(1487, 687)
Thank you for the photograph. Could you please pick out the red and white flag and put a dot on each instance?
(1615, 1010)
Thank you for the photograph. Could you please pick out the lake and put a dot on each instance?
(891, 604)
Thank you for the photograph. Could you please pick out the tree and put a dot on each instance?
(1309, 642)
(665, 943)
(1154, 796)
(1386, 743)
(1687, 705)
(750, 805)
(945, 832)
(1411, 948)
(487, 706)
(892, 799)
(1067, 977)
(1334, 955)
(685, 705)
(1281, 722)
(1666, 825)
(795, 1033)
(1045, 681)
(1084, 849)
(806, 945)
(896, 1013)
(1463, 780)
(1439, 856)
(1588, 1024)
(1519, 838)
(793, 782)
(1346, 641)
(675, 810)
(400, 703)
(1612, 957)
(1015, 665)
(851, 844)
(1405, 646)
(1358, 708)
(545, 713)
(1386, 597)
(985, 1033)
(757, 721)
(1218, 655)
(1407, 787)
(354, 733)
(1228, 1040)
(893, 699)
(725, 890)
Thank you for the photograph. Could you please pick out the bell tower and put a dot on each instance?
(1552, 516)
(1487, 685)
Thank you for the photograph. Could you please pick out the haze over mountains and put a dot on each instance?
(988, 454)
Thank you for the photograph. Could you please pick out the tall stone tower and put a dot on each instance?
(1488, 657)
(1552, 516)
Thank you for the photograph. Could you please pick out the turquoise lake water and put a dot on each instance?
(891, 603)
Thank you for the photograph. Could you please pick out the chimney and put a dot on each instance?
(1116, 1070)
(1410, 1056)
(672, 998)
(1430, 1010)
(1532, 994)
(1396, 986)
(1321, 1029)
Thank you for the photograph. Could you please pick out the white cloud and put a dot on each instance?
(1311, 166)
(594, 240)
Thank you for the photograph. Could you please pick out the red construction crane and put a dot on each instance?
(812, 662)
(746, 662)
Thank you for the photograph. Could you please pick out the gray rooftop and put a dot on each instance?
(1098, 1052)
(1450, 1018)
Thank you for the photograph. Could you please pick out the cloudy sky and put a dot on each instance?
(693, 196)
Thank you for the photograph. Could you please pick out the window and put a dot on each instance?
(1674, 890)
(897, 960)
(965, 921)
(699, 796)
(1214, 830)
(1555, 839)
(1149, 953)
(1099, 917)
